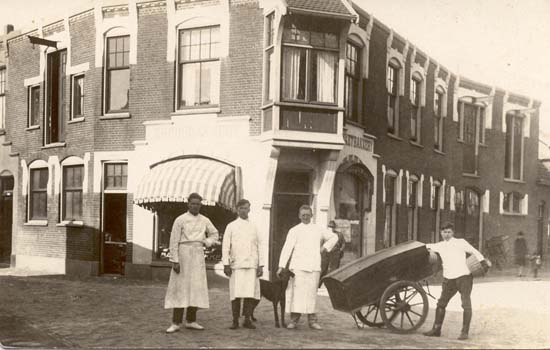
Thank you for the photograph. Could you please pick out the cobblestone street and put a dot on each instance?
(108, 312)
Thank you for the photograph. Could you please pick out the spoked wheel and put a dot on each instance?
(404, 306)
(370, 315)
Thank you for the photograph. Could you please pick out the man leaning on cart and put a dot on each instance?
(456, 278)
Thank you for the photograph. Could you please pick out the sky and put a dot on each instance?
(497, 42)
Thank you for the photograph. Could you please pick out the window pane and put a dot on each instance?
(294, 73)
(210, 77)
(119, 88)
(35, 106)
(317, 39)
(331, 41)
(195, 44)
(189, 84)
(323, 76)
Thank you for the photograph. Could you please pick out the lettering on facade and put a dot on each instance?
(358, 142)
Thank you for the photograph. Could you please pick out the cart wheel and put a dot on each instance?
(370, 315)
(404, 306)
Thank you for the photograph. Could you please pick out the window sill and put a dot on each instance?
(416, 144)
(484, 145)
(71, 223)
(311, 105)
(439, 152)
(460, 140)
(393, 136)
(354, 123)
(34, 127)
(514, 181)
(122, 115)
(512, 214)
(473, 176)
(268, 104)
(54, 145)
(2, 132)
(36, 223)
(76, 120)
(197, 110)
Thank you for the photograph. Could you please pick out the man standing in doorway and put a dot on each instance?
(520, 253)
(188, 287)
(303, 247)
(456, 278)
(243, 263)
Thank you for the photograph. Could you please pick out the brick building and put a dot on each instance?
(116, 113)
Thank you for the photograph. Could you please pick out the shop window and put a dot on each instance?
(199, 67)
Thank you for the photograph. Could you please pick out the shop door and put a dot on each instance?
(114, 233)
(6, 210)
(291, 191)
(469, 156)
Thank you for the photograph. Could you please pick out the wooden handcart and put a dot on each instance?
(387, 288)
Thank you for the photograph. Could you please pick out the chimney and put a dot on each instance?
(8, 28)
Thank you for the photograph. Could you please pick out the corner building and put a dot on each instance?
(116, 113)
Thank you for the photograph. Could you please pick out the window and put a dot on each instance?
(352, 83)
(38, 194)
(34, 106)
(514, 147)
(77, 105)
(436, 200)
(116, 176)
(416, 108)
(56, 97)
(512, 202)
(72, 192)
(481, 136)
(390, 210)
(412, 210)
(438, 119)
(393, 97)
(117, 74)
(270, 65)
(199, 67)
(310, 64)
(2, 98)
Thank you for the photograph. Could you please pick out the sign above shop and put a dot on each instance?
(359, 142)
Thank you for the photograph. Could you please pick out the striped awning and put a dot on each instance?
(174, 180)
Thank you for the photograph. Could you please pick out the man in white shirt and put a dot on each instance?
(303, 247)
(243, 262)
(456, 278)
(187, 287)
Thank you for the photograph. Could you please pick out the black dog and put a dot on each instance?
(273, 291)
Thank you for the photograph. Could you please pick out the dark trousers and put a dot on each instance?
(450, 287)
(248, 307)
(330, 261)
(191, 316)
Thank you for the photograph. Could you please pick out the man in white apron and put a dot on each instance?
(243, 262)
(187, 287)
(303, 246)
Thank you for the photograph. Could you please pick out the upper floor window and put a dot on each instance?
(117, 73)
(269, 54)
(2, 98)
(72, 192)
(38, 194)
(310, 64)
(56, 101)
(34, 105)
(416, 108)
(199, 67)
(393, 97)
(438, 119)
(77, 104)
(514, 147)
(352, 82)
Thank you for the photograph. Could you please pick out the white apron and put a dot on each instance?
(243, 283)
(301, 293)
(188, 287)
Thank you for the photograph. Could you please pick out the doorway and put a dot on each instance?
(6, 211)
(114, 215)
(292, 189)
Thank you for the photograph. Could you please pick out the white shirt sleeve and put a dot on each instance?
(226, 244)
(260, 242)
(290, 242)
(468, 248)
(330, 239)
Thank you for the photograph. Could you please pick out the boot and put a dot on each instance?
(236, 311)
(248, 323)
(466, 318)
(438, 322)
